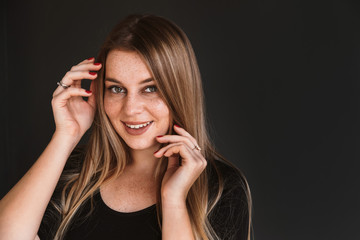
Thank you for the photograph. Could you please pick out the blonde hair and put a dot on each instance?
(167, 52)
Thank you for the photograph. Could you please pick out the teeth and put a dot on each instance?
(138, 126)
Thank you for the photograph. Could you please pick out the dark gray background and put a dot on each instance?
(281, 83)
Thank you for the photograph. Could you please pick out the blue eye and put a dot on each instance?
(115, 89)
(151, 89)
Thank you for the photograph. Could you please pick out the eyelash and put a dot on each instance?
(112, 89)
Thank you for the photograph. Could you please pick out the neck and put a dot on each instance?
(143, 161)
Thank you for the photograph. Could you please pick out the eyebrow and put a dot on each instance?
(117, 81)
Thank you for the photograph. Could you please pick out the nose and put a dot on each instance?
(133, 105)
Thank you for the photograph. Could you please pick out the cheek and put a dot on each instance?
(110, 106)
(160, 110)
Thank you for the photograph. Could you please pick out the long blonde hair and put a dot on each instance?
(168, 54)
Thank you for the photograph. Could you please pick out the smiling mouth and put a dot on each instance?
(137, 126)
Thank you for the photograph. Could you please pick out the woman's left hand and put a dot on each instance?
(178, 179)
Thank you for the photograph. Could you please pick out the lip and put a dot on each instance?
(136, 123)
(134, 131)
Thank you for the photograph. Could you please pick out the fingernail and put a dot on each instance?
(156, 151)
(177, 125)
(92, 73)
(90, 58)
(160, 136)
(97, 64)
(87, 91)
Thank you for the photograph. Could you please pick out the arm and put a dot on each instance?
(22, 209)
(177, 182)
(176, 221)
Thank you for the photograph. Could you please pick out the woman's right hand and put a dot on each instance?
(73, 115)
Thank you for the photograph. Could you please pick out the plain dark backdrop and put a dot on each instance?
(281, 83)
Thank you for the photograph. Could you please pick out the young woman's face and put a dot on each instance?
(132, 101)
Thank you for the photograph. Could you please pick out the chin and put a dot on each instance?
(141, 145)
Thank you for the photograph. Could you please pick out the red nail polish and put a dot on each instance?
(156, 151)
(97, 64)
(160, 136)
(92, 73)
(87, 91)
(177, 125)
(90, 58)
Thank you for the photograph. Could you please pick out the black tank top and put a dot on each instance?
(106, 223)
(228, 218)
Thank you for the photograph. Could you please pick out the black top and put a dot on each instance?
(105, 223)
(228, 219)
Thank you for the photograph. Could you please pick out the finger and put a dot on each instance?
(64, 96)
(91, 59)
(72, 76)
(89, 66)
(86, 61)
(74, 79)
(162, 151)
(181, 131)
(159, 153)
(86, 66)
(179, 149)
(173, 153)
(174, 139)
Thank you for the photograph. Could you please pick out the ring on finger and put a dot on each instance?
(64, 86)
(197, 148)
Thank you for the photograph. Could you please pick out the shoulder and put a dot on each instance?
(227, 174)
(228, 190)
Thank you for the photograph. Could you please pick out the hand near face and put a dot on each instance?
(178, 179)
(73, 115)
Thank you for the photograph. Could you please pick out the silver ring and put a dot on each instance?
(63, 85)
(197, 148)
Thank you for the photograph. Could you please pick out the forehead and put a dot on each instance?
(126, 66)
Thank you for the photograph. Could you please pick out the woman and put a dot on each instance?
(149, 170)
